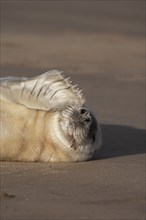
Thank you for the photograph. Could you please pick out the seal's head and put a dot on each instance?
(81, 130)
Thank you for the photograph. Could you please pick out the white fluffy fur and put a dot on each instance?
(31, 110)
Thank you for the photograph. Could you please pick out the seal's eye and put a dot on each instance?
(93, 138)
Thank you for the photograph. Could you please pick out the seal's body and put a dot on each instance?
(44, 119)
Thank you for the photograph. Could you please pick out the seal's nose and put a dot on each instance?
(85, 114)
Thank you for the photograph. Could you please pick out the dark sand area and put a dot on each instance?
(101, 45)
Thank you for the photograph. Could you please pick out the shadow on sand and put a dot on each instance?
(121, 141)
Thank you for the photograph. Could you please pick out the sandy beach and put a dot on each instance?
(101, 46)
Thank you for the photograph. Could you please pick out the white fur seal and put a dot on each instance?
(44, 118)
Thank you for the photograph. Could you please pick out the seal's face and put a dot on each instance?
(81, 129)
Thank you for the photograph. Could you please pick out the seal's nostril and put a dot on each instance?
(87, 119)
(85, 114)
(83, 111)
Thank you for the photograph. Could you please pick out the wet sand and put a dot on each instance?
(101, 45)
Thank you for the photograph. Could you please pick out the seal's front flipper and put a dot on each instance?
(48, 91)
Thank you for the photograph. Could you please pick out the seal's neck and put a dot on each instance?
(57, 141)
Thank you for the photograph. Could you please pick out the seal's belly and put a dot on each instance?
(20, 133)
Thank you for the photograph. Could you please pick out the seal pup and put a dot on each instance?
(44, 118)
